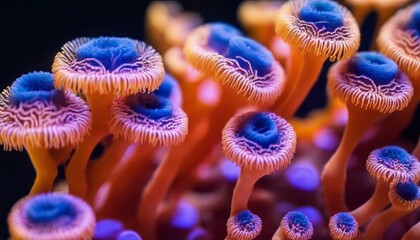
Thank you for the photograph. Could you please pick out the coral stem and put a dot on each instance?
(100, 169)
(295, 65)
(76, 170)
(243, 189)
(334, 172)
(376, 203)
(312, 65)
(46, 170)
(380, 223)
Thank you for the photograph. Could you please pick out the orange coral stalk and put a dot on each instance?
(101, 168)
(365, 106)
(375, 204)
(403, 203)
(131, 174)
(389, 164)
(334, 173)
(413, 233)
(312, 39)
(76, 177)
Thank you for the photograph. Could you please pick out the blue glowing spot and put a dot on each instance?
(345, 221)
(220, 35)
(375, 66)
(326, 139)
(47, 209)
(261, 129)
(281, 208)
(312, 213)
(414, 22)
(150, 105)
(392, 155)
(408, 190)
(35, 86)
(250, 55)
(323, 13)
(186, 216)
(107, 229)
(198, 234)
(129, 235)
(340, 117)
(229, 170)
(303, 176)
(111, 52)
(168, 84)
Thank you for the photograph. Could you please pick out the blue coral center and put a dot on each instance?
(261, 129)
(380, 69)
(220, 35)
(345, 221)
(395, 157)
(414, 22)
(35, 86)
(250, 55)
(150, 105)
(111, 52)
(47, 210)
(298, 221)
(165, 89)
(245, 218)
(407, 190)
(323, 13)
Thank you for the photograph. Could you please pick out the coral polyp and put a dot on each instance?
(204, 127)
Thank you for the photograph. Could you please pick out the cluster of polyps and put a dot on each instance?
(109, 86)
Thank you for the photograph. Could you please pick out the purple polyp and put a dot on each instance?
(303, 176)
(229, 170)
(129, 235)
(108, 229)
(186, 216)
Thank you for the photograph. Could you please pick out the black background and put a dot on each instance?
(32, 32)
